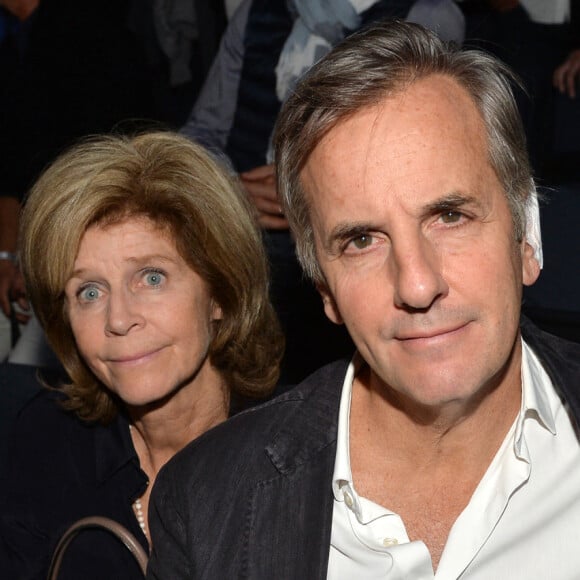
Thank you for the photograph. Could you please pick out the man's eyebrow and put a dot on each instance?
(345, 231)
(450, 202)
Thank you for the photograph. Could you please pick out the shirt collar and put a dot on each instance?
(539, 399)
(342, 471)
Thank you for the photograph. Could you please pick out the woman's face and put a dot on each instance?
(141, 317)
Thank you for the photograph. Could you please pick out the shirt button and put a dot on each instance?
(348, 499)
(388, 542)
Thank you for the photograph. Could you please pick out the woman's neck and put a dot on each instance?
(161, 430)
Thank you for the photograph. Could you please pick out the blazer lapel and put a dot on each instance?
(290, 516)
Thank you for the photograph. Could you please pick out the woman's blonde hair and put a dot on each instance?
(176, 184)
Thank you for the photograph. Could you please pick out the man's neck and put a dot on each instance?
(424, 464)
(455, 428)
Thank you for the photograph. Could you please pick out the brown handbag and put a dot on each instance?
(115, 528)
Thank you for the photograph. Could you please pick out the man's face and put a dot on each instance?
(415, 239)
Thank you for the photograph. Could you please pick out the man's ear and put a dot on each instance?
(530, 264)
(330, 308)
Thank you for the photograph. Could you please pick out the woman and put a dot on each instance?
(145, 268)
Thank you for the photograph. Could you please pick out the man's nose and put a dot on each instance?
(418, 279)
(123, 313)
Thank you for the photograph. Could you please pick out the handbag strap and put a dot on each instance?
(118, 530)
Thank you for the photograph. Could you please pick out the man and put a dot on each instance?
(448, 445)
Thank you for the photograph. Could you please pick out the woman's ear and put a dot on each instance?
(216, 311)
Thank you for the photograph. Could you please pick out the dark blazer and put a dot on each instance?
(253, 497)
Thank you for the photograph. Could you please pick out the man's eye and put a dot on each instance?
(451, 217)
(361, 242)
(154, 278)
(89, 293)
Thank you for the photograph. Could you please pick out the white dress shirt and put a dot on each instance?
(521, 523)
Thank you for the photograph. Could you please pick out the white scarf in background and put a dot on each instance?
(318, 26)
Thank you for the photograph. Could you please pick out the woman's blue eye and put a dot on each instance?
(89, 294)
(154, 278)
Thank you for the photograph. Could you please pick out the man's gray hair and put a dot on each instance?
(375, 64)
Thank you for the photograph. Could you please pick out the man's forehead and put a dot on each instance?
(434, 116)
(405, 155)
(436, 101)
